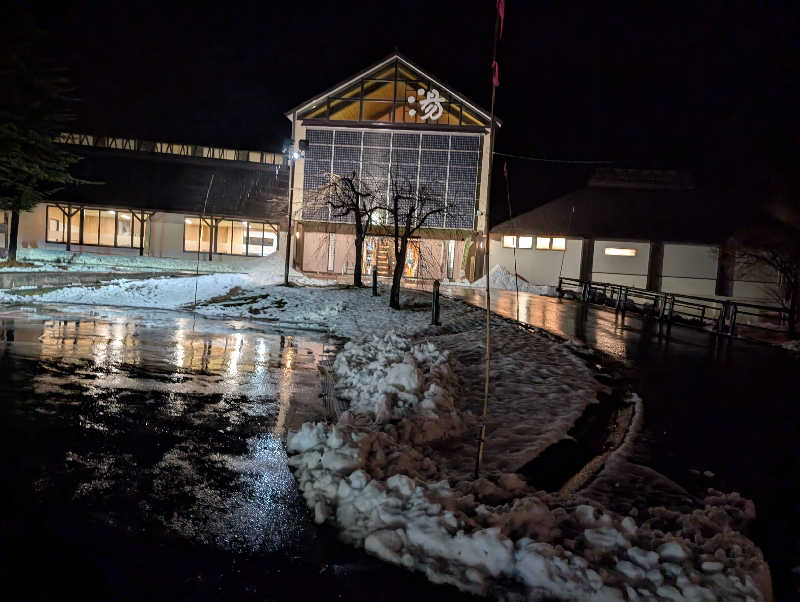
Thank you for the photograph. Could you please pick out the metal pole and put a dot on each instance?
(484, 414)
(291, 199)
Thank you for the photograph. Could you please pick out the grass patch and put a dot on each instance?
(17, 264)
(30, 292)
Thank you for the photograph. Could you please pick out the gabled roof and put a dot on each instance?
(473, 114)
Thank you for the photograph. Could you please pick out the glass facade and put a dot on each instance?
(446, 165)
(233, 237)
(394, 93)
(98, 227)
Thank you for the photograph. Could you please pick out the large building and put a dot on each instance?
(163, 200)
(391, 121)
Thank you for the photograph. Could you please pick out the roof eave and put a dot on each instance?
(395, 55)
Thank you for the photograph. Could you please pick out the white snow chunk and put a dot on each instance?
(605, 538)
(628, 526)
(309, 436)
(655, 577)
(405, 376)
(402, 484)
(630, 570)
(645, 559)
(712, 567)
(358, 479)
(672, 550)
(669, 592)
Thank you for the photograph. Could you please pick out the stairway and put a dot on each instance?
(384, 258)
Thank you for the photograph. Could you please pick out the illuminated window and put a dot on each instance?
(620, 252)
(108, 219)
(509, 242)
(229, 237)
(392, 93)
(57, 226)
(559, 244)
(526, 242)
(97, 227)
(542, 242)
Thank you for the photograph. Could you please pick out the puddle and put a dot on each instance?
(143, 458)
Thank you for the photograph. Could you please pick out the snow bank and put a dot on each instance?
(372, 474)
(501, 278)
(161, 293)
(793, 346)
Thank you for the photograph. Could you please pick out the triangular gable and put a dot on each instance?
(393, 91)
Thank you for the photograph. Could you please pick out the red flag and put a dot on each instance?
(495, 74)
(501, 12)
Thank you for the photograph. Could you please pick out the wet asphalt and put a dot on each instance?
(142, 458)
(718, 412)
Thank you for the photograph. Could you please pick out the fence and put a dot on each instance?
(722, 316)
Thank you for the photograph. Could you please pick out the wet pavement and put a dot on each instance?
(142, 459)
(718, 412)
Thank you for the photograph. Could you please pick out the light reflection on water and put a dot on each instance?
(211, 399)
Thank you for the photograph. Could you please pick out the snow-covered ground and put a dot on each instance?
(53, 260)
(792, 346)
(376, 474)
(500, 278)
(394, 472)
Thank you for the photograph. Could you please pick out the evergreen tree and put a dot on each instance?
(33, 111)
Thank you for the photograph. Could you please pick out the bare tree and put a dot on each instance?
(778, 249)
(351, 195)
(409, 208)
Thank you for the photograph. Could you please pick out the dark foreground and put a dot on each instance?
(141, 459)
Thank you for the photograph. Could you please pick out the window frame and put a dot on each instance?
(81, 229)
(266, 227)
(509, 242)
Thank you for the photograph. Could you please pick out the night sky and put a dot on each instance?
(709, 85)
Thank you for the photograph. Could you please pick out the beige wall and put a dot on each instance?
(164, 238)
(538, 266)
(628, 271)
(757, 284)
(689, 270)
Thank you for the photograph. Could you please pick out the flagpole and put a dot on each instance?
(487, 214)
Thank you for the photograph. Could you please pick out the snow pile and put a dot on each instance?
(373, 474)
(161, 293)
(501, 278)
(793, 346)
(388, 378)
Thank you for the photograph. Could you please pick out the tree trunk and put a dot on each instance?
(359, 261)
(397, 275)
(13, 236)
(359, 242)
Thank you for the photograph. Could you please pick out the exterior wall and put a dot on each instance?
(690, 270)
(629, 271)
(299, 133)
(163, 238)
(756, 284)
(538, 266)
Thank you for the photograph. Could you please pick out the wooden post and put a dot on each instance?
(435, 304)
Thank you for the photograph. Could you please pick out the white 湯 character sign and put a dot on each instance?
(431, 104)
